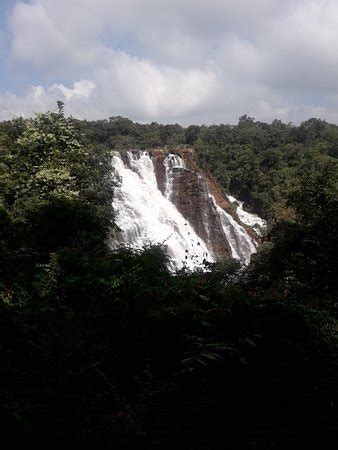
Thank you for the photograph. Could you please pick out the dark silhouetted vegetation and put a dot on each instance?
(108, 349)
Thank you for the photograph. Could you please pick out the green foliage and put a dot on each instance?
(303, 256)
(110, 349)
(119, 132)
(260, 163)
(257, 162)
(47, 161)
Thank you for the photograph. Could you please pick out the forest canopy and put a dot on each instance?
(255, 161)
(107, 349)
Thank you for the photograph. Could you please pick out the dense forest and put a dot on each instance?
(109, 349)
(257, 162)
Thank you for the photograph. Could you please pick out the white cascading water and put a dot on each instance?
(242, 245)
(252, 220)
(148, 217)
(171, 161)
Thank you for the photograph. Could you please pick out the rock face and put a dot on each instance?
(192, 198)
(170, 186)
(188, 156)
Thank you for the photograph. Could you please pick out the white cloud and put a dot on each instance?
(39, 99)
(184, 60)
(81, 89)
(35, 36)
(304, 48)
(144, 90)
(140, 90)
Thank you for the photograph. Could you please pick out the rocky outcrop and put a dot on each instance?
(222, 201)
(211, 220)
(192, 189)
(192, 199)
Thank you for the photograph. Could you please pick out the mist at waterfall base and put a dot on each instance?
(147, 216)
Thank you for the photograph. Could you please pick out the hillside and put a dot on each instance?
(107, 348)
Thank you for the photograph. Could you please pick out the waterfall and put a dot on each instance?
(250, 219)
(242, 245)
(171, 162)
(146, 216)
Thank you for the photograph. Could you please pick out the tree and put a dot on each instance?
(191, 134)
(304, 249)
(61, 107)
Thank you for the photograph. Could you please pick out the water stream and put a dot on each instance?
(148, 217)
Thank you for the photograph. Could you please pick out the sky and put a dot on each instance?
(177, 61)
